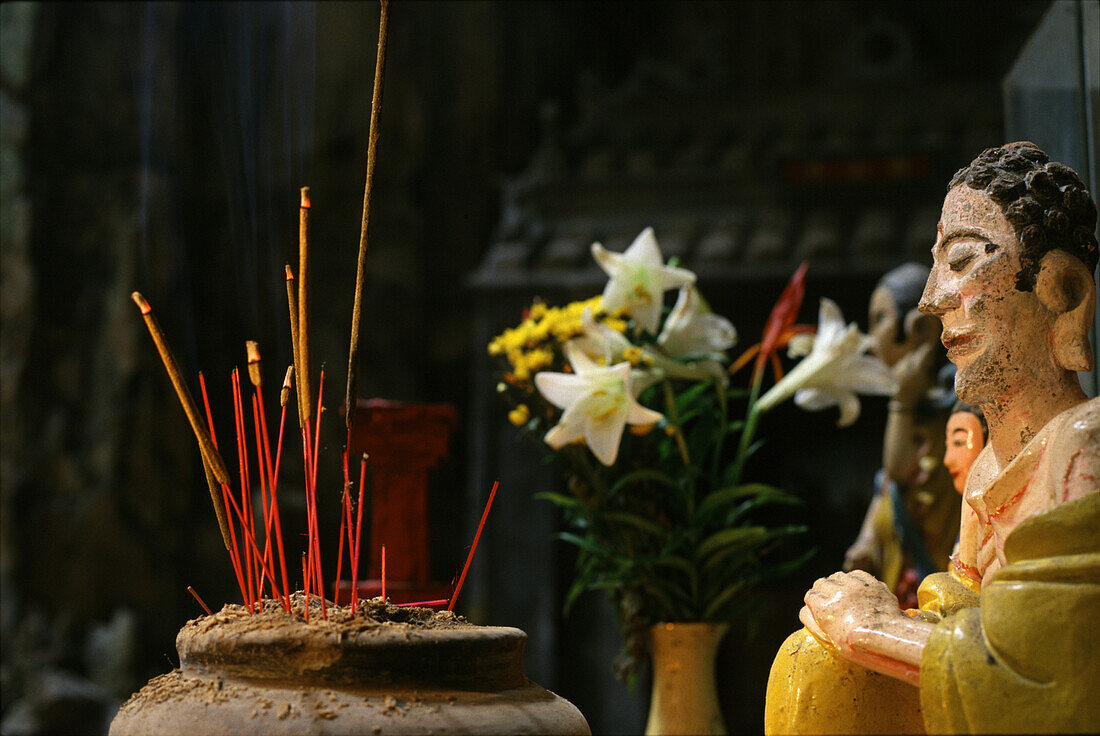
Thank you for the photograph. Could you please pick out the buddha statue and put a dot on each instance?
(1000, 642)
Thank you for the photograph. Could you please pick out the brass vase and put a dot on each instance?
(685, 692)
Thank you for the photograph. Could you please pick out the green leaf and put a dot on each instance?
(748, 547)
(722, 599)
(782, 569)
(584, 543)
(635, 521)
(688, 397)
(560, 499)
(643, 475)
(728, 537)
(762, 499)
(724, 496)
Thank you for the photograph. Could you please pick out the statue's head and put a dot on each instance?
(1012, 276)
(965, 435)
(895, 325)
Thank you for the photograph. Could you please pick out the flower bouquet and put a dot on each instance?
(635, 400)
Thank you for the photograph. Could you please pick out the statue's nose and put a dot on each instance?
(940, 294)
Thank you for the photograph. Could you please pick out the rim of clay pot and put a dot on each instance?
(480, 658)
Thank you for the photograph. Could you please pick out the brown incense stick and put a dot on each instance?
(255, 372)
(372, 146)
(219, 507)
(212, 460)
(305, 370)
(284, 393)
(200, 600)
(210, 454)
(292, 303)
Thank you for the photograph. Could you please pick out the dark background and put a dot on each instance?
(160, 147)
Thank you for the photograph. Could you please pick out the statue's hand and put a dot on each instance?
(915, 374)
(861, 556)
(845, 604)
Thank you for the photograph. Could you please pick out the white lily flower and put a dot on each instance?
(834, 371)
(639, 279)
(600, 341)
(692, 329)
(597, 401)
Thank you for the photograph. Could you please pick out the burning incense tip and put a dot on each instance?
(255, 374)
(289, 274)
(305, 198)
(140, 301)
(284, 394)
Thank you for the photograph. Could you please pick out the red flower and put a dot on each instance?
(780, 327)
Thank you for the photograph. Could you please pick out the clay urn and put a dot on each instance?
(385, 670)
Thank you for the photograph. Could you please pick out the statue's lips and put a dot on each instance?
(958, 341)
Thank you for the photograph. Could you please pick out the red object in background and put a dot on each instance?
(403, 443)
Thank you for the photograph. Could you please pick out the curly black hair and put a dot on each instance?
(1045, 201)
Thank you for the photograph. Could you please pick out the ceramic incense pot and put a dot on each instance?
(387, 670)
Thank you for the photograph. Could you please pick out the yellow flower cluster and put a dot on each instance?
(533, 344)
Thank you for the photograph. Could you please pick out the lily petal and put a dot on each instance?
(638, 279)
(561, 389)
(692, 329)
(834, 370)
(598, 403)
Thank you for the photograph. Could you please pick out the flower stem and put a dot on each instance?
(752, 416)
(670, 400)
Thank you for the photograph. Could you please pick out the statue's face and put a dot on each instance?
(965, 439)
(994, 333)
(883, 323)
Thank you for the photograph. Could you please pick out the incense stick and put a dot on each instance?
(255, 373)
(292, 303)
(358, 530)
(275, 486)
(438, 602)
(284, 392)
(473, 547)
(360, 273)
(210, 455)
(305, 369)
(222, 508)
(200, 600)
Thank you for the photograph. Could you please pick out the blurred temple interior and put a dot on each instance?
(161, 147)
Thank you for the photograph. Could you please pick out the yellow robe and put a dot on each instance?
(1023, 661)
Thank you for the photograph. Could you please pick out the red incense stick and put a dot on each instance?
(383, 573)
(313, 491)
(305, 583)
(473, 547)
(358, 529)
(273, 518)
(234, 553)
(261, 458)
(438, 602)
(242, 462)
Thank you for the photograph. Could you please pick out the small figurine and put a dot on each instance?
(965, 436)
(910, 526)
(1013, 284)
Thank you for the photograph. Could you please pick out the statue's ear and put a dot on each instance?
(1065, 287)
(922, 328)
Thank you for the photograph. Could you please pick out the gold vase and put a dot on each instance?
(685, 692)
